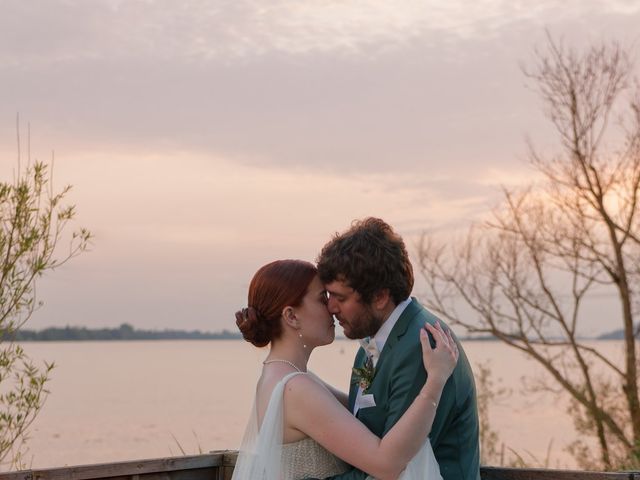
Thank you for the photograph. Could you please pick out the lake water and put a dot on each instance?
(113, 401)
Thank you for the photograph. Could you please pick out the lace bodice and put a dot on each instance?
(308, 459)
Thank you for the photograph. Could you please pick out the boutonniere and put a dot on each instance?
(364, 375)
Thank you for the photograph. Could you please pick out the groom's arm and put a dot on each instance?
(353, 474)
(342, 397)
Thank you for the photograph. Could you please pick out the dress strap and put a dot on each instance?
(289, 376)
(275, 402)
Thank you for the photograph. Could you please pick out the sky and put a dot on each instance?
(204, 139)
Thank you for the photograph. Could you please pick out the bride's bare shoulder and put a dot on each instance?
(302, 388)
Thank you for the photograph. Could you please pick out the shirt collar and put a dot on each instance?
(384, 331)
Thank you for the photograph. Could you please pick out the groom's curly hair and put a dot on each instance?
(369, 257)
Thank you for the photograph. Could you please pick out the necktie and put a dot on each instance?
(371, 349)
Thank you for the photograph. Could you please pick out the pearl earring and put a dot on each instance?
(304, 345)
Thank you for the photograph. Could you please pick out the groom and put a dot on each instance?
(368, 275)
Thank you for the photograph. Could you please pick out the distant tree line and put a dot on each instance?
(128, 332)
(124, 332)
(616, 335)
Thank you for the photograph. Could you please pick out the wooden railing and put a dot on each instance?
(212, 466)
(219, 465)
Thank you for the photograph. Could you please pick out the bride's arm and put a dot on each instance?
(312, 409)
(342, 397)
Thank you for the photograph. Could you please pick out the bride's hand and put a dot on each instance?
(439, 361)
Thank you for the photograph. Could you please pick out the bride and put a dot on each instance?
(301, 427)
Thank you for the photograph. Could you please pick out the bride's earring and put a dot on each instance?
(294, 322)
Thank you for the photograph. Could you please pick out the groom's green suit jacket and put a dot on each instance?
(399, 376)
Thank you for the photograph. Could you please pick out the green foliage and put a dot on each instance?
(183, 451)
(487, 395)
(622, 455)
(493, 452)
(32, 221)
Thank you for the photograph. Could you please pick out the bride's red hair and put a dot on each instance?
(275, 286)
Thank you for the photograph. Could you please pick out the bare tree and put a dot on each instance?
(557, 242)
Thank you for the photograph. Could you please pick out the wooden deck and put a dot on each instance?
(218, 465)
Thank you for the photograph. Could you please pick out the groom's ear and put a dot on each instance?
(381, 299)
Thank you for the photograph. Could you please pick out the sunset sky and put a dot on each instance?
(206, 138)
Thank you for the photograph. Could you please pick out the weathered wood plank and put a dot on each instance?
(496, 473)
(229, 458)
(226, 473)
(219, 465)
(200, 474)
(209, 462)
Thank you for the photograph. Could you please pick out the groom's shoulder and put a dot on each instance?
(417, 315)
(407, 330)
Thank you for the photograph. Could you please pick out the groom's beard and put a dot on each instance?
(364, 324)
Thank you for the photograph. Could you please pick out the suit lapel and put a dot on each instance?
(353, 386)
(398, 330)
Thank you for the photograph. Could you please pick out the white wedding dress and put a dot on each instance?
(264, 457)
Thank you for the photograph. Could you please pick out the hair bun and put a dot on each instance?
(252, 326)
(274, 286)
